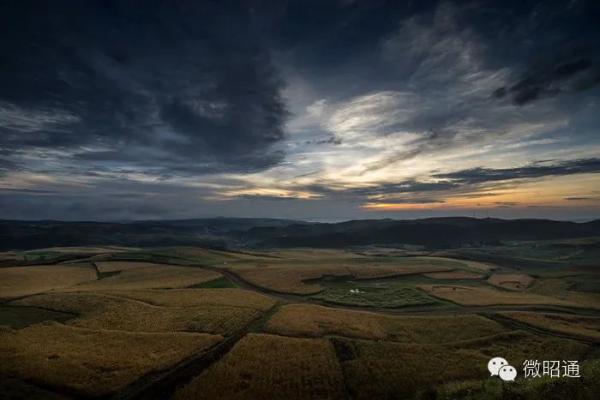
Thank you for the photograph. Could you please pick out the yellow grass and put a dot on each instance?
(574, 325)
(97, 311)
(271, 367)
(151, 276)
(23, 281)
(454, 275)
(317, 321)
(480, 296)
(511, 281)
(92, 362)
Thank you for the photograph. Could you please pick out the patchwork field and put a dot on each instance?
(317, 321)
(92, 362)
(295, 278)
(271, 367)
(101, 311)
(380, 370)
(193, 323)
(149, 276)
(23, 281)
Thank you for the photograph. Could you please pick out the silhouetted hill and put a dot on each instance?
(258, 232)
(431, 232)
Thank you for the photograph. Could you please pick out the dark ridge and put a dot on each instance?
(228, 233)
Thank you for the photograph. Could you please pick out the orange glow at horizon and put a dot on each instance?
(551, 192)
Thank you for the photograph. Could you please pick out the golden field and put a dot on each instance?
(587, 328)
(23, 281)
(92, 362)
(271, 367)
(98, 311)
(150, 276)
(317, 321)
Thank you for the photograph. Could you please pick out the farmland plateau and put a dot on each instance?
(362, 322)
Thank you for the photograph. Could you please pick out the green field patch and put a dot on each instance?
(390, 297)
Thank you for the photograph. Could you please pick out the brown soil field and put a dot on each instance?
(454, 275)
(92, 362)
(23, 281)
(511, 281)
(98, 311)
(150, 277)
(574, 325)
(271, 367)
(481, 296)
(317, 321)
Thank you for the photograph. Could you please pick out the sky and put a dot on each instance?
(315, 110)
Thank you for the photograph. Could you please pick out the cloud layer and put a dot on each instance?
(168, 88)
(326, 109)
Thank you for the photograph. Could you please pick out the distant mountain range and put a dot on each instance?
(261, 232)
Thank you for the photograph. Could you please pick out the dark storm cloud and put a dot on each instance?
(482, 175)
(553, 77)
(187, 86)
